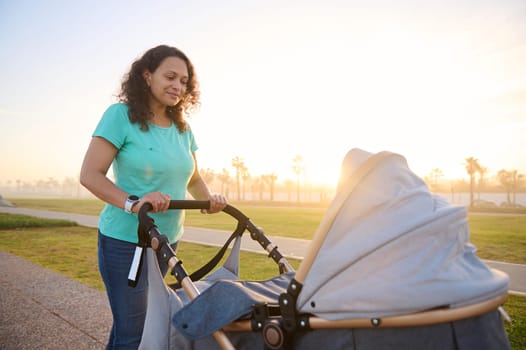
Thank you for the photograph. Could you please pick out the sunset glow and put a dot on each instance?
(436, 83)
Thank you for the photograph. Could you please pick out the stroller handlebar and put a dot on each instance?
(243, 223)
(194, 204)
(190, 204)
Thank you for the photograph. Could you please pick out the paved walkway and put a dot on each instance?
(41, 309)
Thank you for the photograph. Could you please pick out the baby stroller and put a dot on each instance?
(390, 267)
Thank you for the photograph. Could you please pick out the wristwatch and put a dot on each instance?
(130, 202)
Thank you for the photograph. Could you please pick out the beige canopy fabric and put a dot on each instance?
(394, 248)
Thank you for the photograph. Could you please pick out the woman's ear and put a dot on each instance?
(147, 77)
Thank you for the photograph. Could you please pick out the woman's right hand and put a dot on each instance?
(159, 201)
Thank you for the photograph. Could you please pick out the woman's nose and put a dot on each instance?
(178, 85)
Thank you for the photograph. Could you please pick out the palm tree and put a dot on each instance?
(224, 177)
(436, 175)
(506, 180)
(258, 185)
(517, 180)
(481, 183)
(298, 167)
(472, 167)
(238, 164)
(208, 175)
(270, 179)
(245, 176)
(510, 180)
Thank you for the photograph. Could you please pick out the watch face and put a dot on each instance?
(133, 197)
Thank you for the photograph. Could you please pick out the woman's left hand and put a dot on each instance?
(218, 202)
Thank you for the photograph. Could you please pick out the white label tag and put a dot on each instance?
(132, 276)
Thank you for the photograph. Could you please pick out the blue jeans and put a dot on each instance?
(128, 305)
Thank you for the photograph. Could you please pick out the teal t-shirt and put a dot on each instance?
(159, 159)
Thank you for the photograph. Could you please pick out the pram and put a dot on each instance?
(390, 267)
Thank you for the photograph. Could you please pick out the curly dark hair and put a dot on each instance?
(135, 91)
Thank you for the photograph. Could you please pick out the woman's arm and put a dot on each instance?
(96, 163)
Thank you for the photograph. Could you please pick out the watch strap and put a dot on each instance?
(131, 200)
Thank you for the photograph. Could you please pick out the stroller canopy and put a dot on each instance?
(393, 248)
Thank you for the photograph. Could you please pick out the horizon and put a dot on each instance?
(434, 82)
(490, 178)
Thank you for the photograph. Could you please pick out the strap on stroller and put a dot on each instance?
(209, 266)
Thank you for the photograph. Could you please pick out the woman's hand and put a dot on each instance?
(217, 203)
(159, 201)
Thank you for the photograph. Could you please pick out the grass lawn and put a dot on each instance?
(497, 237)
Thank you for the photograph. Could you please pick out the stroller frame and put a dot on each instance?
(278, 322)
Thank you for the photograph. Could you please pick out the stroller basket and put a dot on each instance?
(401, 280)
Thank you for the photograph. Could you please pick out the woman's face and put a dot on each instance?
(168, 82)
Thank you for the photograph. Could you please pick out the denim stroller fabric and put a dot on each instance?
(224, 298)
(226, 301)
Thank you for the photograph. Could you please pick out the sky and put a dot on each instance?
(435, 81)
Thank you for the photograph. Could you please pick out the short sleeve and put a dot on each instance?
(114, 125)
(191, 140)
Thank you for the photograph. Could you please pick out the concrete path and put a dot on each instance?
(41, 309)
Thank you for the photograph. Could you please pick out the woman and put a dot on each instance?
(152, 150)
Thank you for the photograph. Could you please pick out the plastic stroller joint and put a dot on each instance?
(287, 304)
(262, 313)
(162, 245)
(179, 272)
(259, 316)
(257, 234)
(277, 257)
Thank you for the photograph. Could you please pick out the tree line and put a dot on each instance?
(510, 180)
(265, 183)
(265, 186)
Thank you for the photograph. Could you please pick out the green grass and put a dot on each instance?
(78, 206)
(69, 250)
(72, 250)
(9, 221)
(275, 221)
(500, 238)
(516, 306)
(497, 237)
